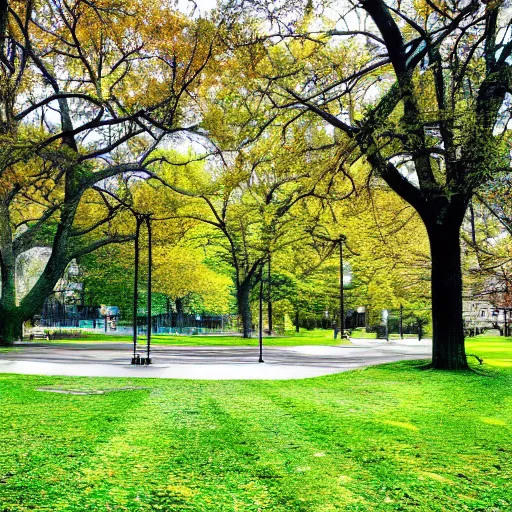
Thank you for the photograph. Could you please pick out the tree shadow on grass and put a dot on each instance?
(477, 368)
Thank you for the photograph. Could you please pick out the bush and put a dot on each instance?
(309, 323)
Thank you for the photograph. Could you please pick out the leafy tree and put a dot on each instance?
(254, 203)
(180, 274)
(487, 246)
(87, 93)
(307, 278)
(390, 250)
(418, 92)
(107, 276)
(385, 255)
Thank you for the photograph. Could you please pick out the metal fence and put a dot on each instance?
(58, 315)
(182, 323)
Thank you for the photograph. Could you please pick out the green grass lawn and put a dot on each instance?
(495, 350)
(394, 437)
(316, 337)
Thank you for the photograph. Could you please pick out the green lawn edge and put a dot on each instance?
(392, 437)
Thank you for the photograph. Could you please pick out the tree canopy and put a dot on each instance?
(260, 134)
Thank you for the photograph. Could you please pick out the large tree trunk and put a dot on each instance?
(179, 313)
(244, 308)
(10, 318)
(448, 330)
(11, 327)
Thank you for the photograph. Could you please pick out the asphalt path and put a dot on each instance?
(206, 363)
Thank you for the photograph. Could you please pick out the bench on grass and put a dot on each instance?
(38, 334)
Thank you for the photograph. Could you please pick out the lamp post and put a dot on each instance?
(150, 264)
(260, 331)
(401, 322)
(337, 241)
(140, 219)
(269, 296)
(104, 313)
(341, 241)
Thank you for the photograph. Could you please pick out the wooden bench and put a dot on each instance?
(38, 334)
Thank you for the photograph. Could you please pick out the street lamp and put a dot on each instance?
(260, 327)
(269, 297)
(150, 265)
(140, 219)
(341, 241)
(401, 324)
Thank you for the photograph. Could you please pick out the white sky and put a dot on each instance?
(203, 5)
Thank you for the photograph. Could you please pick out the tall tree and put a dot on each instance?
(254, 203)
(180, 274)
(487, 235)
(87, 93)
(419, 92)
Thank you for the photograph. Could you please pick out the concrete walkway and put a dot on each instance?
(206, 363)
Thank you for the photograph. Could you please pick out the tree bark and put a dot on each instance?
(11, 327)
(244, 308)
(448, 331)
(179, 313)
(10, 318)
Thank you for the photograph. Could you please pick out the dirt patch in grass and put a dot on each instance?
(63, 391)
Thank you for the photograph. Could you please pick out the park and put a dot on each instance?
(255, 255)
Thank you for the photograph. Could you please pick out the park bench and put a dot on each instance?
(38, 334)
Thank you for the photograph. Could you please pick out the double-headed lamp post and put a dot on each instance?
(142, 219)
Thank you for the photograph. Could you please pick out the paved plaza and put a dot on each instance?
(206, 363)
